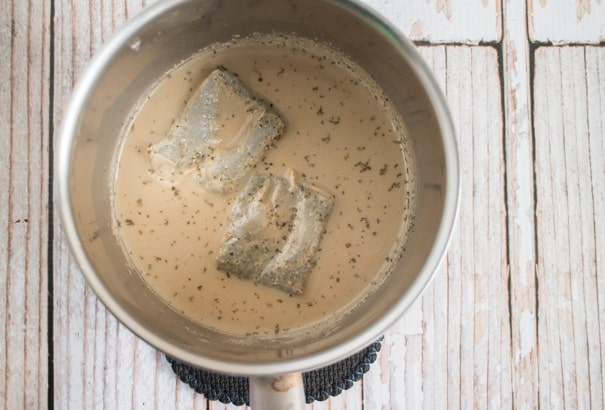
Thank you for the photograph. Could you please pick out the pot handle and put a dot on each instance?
(277, 392)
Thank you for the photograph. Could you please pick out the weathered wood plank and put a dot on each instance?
(444, 21)
(481, 229)
(566, 22)
(435, 314)
(459, 356)
(568, 118)
(24, 116)
(550, 347)
(595, 97)
(461, 257)
(520, 205)
(581, 226)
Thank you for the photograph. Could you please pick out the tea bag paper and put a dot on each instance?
(273, 232)
(222, 133)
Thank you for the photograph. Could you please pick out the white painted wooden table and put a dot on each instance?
(515, 316)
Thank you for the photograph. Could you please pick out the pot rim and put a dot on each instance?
(86, 85)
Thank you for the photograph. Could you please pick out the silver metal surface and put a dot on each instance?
(277, 392)
(135, 58)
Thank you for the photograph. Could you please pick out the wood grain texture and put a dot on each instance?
(520, 205)
(444, 21)
(570, 174)
(567, 22)
(24, 156)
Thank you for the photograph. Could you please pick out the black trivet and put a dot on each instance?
(319, 384)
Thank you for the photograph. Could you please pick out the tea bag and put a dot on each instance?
(273, 232)
(222, 133)
(257, 226)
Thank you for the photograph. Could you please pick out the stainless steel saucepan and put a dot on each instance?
(143, 50)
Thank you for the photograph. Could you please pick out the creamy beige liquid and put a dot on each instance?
(341, 135)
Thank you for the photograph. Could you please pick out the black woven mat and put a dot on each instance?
(319, 384)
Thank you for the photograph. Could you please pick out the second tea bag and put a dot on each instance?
(273, 232)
